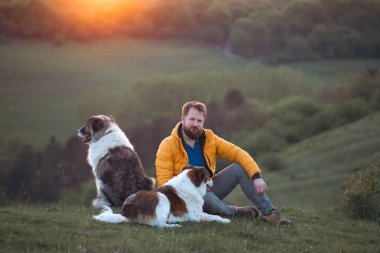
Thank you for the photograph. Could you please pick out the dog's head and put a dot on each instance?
(199, 176)
(95, 128)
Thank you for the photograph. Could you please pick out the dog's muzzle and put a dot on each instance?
(86, 138)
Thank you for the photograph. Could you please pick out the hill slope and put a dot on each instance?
(317, 168)
(41, 85)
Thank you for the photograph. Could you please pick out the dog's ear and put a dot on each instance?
(187, 167)
(97, 124)
(198, 175)
(203, 174)
(112, 118)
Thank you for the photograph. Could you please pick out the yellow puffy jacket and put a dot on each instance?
(172, 157)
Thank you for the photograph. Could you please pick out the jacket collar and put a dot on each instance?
(177, 133)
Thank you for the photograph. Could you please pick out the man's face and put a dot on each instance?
(192, 123)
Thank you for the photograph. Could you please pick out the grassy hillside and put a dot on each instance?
(59, 228)
(318, 168)
(336, 71)
(41, 84)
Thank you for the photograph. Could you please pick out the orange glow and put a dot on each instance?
(97, 13)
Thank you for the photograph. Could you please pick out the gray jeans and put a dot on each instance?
(224, 182)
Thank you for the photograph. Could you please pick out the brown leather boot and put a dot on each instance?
(247, 211)
(275, 217)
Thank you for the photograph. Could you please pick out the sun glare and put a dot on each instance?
(102, 3)
(98, 9)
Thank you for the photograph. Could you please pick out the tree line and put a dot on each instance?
(277, 31)
(28, 174)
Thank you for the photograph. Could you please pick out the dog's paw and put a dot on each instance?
(171, 225)
(225, 221)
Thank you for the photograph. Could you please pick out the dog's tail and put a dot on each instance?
(108, 216)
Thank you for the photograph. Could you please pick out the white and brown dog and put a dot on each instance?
(178, 200)
(117, 167)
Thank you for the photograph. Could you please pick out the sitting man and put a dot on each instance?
(189, 143)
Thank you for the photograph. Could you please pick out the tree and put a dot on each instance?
(233, 99)
(21, 182)
(75, 168)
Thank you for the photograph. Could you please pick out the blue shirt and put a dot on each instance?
(195, 154)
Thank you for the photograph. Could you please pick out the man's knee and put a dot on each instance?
(213, 205)
(238, 169)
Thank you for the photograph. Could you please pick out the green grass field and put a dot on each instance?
(60, 228)
(41, 84)
(336, 71)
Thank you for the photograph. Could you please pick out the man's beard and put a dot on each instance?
(192, 134)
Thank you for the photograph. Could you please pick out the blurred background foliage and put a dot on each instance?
(274, 31)
(261, 122)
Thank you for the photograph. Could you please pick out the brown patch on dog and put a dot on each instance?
(198, 175)
(122, 174)
(177, 205)
(140, 207)
(99, 125)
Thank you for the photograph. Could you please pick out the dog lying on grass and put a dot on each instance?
(178, 200)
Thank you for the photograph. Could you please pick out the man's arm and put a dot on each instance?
(235, 154)
(164, 163)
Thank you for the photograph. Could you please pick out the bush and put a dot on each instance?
(352, 110)
(361, 198)
(375, 102)
(261, 142)
(271, 162)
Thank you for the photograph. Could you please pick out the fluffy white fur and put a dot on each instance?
(192, 195)
(114, 137)
(109, 216)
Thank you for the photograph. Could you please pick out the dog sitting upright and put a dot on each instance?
(117, 167)
(178, 200)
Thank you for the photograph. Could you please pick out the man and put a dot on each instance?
(189, 143)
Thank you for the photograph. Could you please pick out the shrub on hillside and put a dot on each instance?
(334, 116)
(361, 198)
(261, 142)
(352, 110)
(375, 102)
(291, 118)
(271, 162)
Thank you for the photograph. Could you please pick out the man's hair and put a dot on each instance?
(194, 104)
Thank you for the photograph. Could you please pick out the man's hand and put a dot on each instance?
(260, 186)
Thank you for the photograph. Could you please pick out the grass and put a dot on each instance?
(60, 228)
(41, 84)
(335, 71)
(318, 168)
